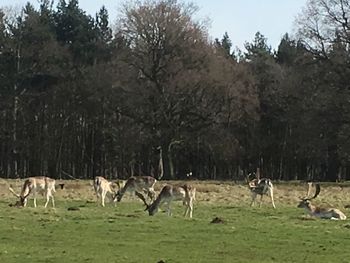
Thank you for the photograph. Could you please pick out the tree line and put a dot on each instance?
(156, 96)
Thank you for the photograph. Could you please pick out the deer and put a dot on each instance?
(137, 185)
(260, 187)
(319, 212)
(32, 185)
(185, 193)
(103, 187)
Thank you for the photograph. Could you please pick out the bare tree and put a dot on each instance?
(169, 54)
(323, 21)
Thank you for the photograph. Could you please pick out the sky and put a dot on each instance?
(241, 19)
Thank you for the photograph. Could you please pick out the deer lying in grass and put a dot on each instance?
(33, 185)
(320, 212)
(137, 185)
(103, 188)
(169, 193)
(260, 187)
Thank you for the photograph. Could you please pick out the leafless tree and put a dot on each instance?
(323, 21)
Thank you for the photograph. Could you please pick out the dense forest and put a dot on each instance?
(155, 95)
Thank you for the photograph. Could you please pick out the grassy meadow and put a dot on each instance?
(125, 233)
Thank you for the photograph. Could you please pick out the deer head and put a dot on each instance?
(117, 196)
(252, 183)
(22, 199)
(305, 200)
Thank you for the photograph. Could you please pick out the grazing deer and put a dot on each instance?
(103, 187)
(320, 212)
(137, 185)
(260, 187)
(169, 193)
(33, 185)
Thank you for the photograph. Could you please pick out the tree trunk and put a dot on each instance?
(14, 116)
(14, 133)
(168, 174)
(333, 164)
(161, 164)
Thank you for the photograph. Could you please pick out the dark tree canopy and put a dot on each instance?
(156, 96)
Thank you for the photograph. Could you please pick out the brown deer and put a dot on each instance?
(32, 185)
(319, 212)
(169, 193)
(260, 187)
(138, 185)
(103, 188)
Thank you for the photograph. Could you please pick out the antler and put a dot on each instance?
(257, 175)
(308, 190)
(24, 197)
(142, 198)
(13, 191)
(248, 177)
(318, 190)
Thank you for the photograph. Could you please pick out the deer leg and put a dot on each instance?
(25, 201)
(261, 198)
(97, 199)
(53, 201)
(186, 208)
(47, 199)
(97, 195)
(253, 199)
(191, 208)
(169, 209)
(103, 195)
(34, 195)
(111, 198)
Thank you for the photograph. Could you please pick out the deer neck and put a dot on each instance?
(123, 190)
(26, 189)
(154, 206)
(311, 208)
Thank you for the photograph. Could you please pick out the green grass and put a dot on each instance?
(127, 234)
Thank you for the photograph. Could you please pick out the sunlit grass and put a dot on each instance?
(126, 233)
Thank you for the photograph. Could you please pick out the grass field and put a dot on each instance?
(126, 233)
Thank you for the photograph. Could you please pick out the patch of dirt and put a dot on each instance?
(73, 208)
(132, 215)
(217, 220)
